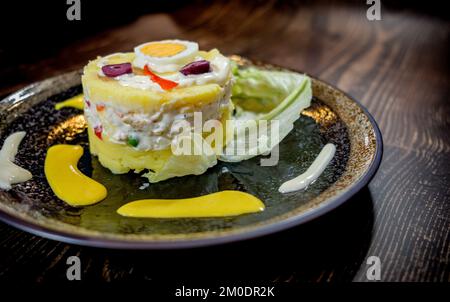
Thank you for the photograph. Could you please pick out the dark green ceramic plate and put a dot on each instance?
(32, 206)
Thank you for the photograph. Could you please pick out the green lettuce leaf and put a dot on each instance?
(263, 95)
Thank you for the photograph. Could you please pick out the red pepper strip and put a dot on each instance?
(163, 83)
(98, 131)
(100, 107)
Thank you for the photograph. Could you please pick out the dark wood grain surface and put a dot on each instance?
(396, 67)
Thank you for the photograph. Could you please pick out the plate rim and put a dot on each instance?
(124, 244)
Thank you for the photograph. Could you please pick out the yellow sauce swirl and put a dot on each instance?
(219, 204)
(66, 181)
(74, 102)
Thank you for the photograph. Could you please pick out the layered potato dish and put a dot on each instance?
(133, 101)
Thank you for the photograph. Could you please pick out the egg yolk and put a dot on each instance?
(162, 49)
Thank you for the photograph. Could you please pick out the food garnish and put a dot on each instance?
(166, 55)
(133, 141)
(98, 131)
(266, 95)
(163, 83)
(100, 107)
(115, 70)
(197, 67)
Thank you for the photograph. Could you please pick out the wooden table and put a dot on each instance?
(397, 67)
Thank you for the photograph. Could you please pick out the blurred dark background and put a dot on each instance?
(32, 31)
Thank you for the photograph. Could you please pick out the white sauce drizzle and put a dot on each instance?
(138, 81)
(312, 173)
(10, 173)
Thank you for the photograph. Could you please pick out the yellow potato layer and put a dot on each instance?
(108, 90)
(121, 158)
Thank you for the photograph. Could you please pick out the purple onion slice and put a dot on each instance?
(115, 70)
(197, 67)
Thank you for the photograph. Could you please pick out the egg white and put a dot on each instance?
(166, 64)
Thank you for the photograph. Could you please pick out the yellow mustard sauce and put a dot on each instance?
(219, 204)
(66, 181)
(74, 102)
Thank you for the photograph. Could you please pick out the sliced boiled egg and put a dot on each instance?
(165, 56)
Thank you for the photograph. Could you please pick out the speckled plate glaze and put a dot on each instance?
(32, 206)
